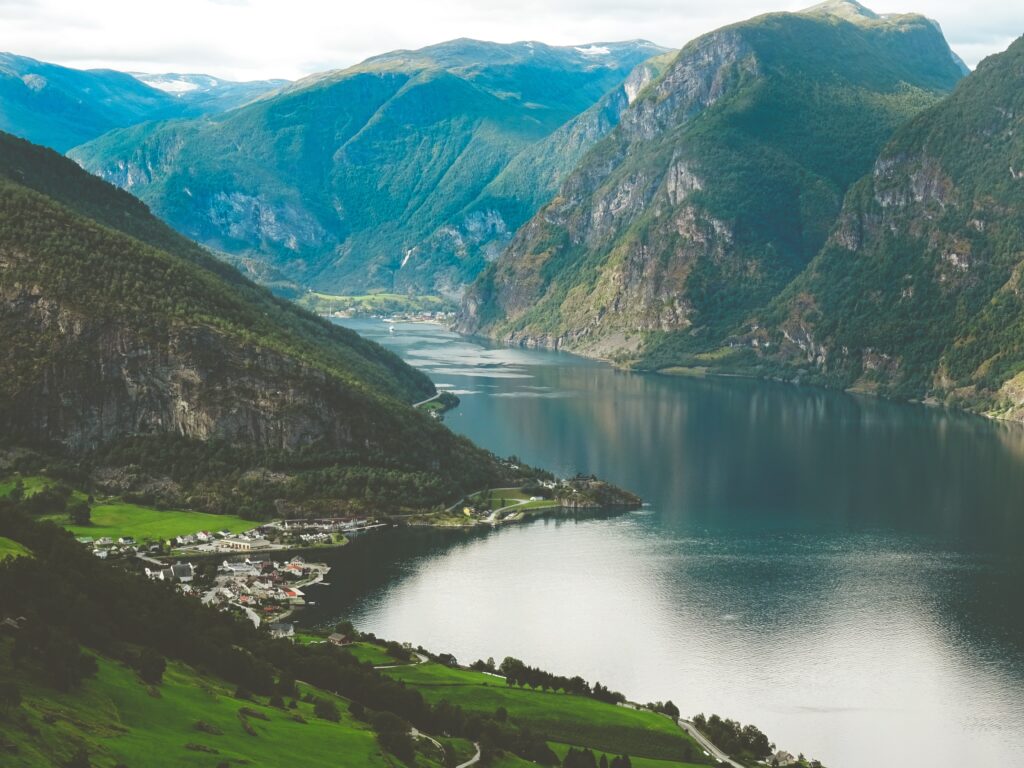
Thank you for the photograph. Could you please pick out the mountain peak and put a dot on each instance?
(848, 10)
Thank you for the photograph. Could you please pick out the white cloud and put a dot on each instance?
(244, 39)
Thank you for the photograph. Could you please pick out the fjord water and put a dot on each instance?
(840, 571)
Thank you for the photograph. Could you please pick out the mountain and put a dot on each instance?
(127, 345)
(719, 184)
(918, 292)
(205, 94)
(61, 107)
(372, 178)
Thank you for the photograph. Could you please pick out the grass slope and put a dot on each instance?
(561, 717)
(122, 720)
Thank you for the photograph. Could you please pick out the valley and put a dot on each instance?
(496, 402)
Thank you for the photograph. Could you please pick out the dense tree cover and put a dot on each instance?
(518, 673)
(584, 758)
(666, 708)
(120, 278)
(919, 292)
(741, 741)
(97, 258)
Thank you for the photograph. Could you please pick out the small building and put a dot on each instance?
(782, 758)
(282, 629)
(183, 572)
(336, 638)
(243, 545)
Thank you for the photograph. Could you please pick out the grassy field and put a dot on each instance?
(118, 518)
(122, 720)
(31, 485)
(369, 652)
(561, 717)
(11, 548)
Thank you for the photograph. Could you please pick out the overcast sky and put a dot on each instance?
(249, 39)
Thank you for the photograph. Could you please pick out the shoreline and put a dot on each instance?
(707, 372)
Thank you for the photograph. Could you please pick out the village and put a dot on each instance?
(264, 591)
(276, 536)
(256, 578)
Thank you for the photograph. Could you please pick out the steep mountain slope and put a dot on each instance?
(124, 340)
(366, 178)
(61, 107)
(717, 187)
(918, 291)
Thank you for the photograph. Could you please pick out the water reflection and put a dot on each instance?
(842, 571)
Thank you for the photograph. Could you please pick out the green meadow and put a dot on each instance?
(188, 720)
(117, 518)
(563, 718)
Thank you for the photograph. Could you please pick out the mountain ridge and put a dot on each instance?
(716, 188)
(400, 147)
(131, 348)
(61, 107)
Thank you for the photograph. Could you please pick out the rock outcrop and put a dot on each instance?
(719, 184)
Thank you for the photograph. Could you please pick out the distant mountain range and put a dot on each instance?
(810, 195)
(60, 107)
(404, 173)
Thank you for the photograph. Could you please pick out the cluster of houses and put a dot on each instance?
(124, 546)
(264, 590)
(278, 535)
(319, 531)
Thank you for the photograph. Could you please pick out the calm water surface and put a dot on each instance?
(842, 572)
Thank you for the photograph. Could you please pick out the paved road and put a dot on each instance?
(428, 400)
(416, 734)
(705, 742)
(473, 760)
(420, 659)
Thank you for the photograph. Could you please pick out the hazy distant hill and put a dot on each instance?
(61, 107)
(375, 177)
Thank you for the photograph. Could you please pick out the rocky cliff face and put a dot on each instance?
(459, 251)
(918, 292)
(718, 185)
(106, 381)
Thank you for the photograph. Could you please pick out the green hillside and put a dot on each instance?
(917, 293)
(60, 107)
(365, 179)
(152, 678)
(720, 183)
(160, 358)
